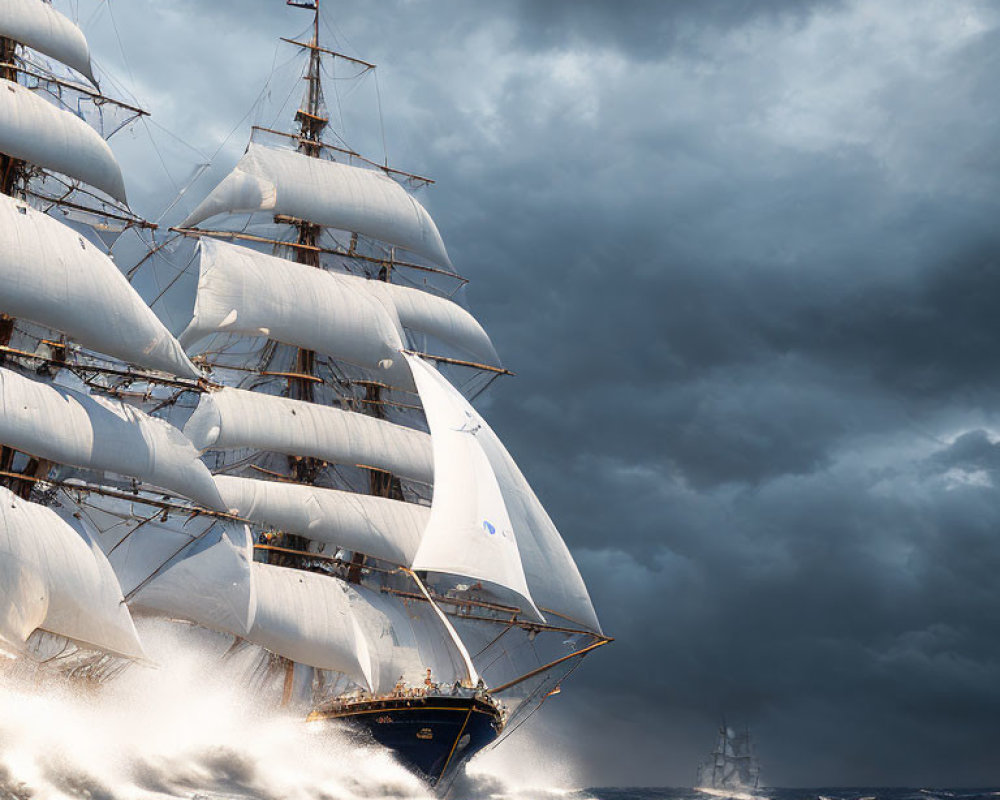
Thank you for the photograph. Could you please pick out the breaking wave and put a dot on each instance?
(188, 728)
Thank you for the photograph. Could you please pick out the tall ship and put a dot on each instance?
(733, 769)
(300, 469)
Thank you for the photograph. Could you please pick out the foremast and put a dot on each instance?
(60, 601)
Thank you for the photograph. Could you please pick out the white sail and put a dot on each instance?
(80, 430)
(51, 275)
(377, 526)
(438, 317)
(138, 552)
(480, 494)
(469, 532)
(355, 319)
(36, 24)
(233, 418)
(59, 581)
(327, 193)
(403, 642)
(211, 585)
(552, 574)
(35, 131)
(24, 602)
(245, 292)
(322, 622)
(307, 618)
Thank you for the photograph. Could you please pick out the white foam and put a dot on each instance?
(188, 729)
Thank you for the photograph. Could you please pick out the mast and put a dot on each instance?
(65, 288)
(316, 319)
(11, 169)
(11, 172)
(311, 127)
(312, 123)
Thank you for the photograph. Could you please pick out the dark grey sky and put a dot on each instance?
(745, 261)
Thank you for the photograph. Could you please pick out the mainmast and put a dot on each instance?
(311, 127)
(332, 338)
(312, 123)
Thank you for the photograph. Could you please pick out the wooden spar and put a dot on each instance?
(470, 668)
(390, 403)
(460, 363)
(89, 488)
(144, 377)
(99, 98)
(272, 548)
(454, 601)
(352, 154)
(136, 222)
(302, 376)
(317, 49)
(272, 473)
(284, 219)
(286, 691)
(550, 665)
(386, 474)
(249, 237)
(459, 603)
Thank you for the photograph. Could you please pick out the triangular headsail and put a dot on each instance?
(486, 522)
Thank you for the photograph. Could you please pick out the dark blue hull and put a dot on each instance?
(433, 735)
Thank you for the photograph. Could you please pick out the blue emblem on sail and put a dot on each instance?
(489, 528)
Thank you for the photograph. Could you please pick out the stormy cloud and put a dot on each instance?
(744, 260)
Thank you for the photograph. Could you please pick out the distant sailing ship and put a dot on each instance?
(733, 769)
(335, 505)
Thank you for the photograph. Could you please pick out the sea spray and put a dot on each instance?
(186, 728)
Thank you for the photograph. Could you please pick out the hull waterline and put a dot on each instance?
(430, 735)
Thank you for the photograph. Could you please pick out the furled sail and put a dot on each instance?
(51, 275)
(480, 499)
(35, 131)
(327, 193)
(55, 579)
(245, 292)
(36, 24)
(233, 418)
(376, 526)
(469, 532)
(81, 430)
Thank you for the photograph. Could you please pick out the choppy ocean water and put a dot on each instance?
(815, 793)
(186, 731)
